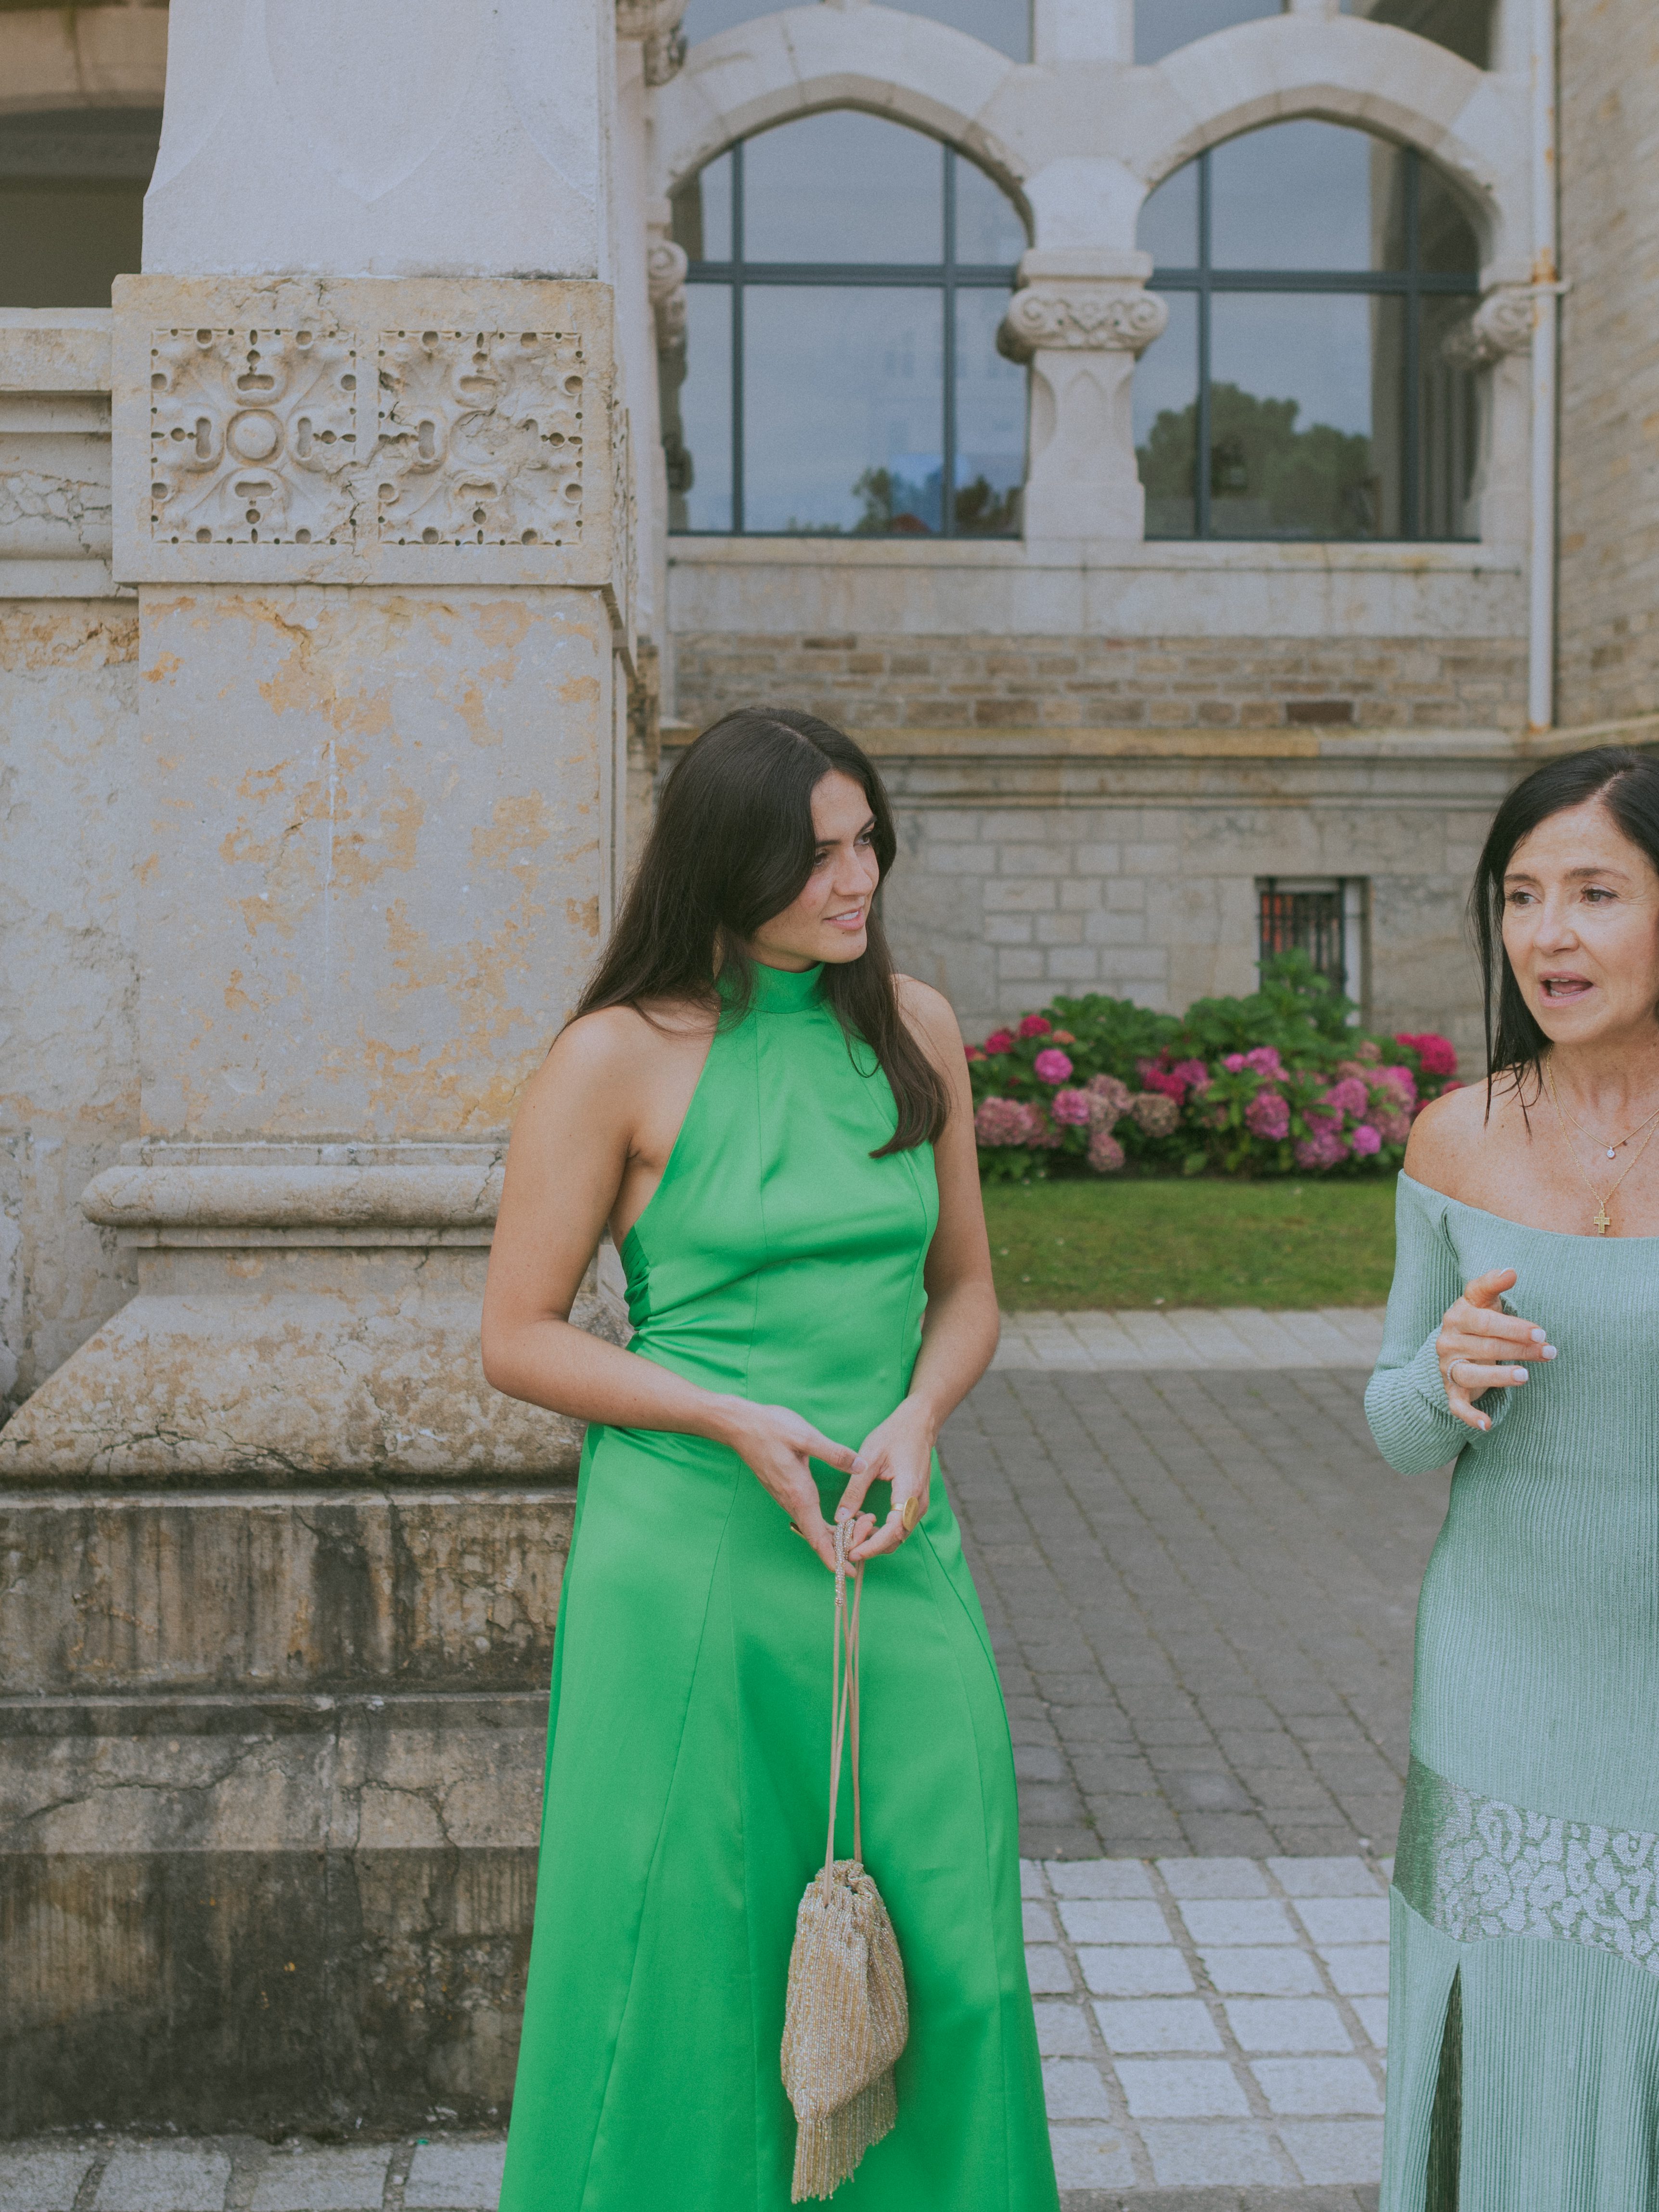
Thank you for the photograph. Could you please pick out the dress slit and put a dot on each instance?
(1446, 2121)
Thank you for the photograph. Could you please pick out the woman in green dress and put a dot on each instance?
(778, 1131)
(1522, 1336)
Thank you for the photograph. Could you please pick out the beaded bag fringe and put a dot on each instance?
(847, 2017)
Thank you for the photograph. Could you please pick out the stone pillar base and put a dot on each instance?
(305, 1312)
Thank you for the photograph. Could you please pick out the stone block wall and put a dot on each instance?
(1609, 481)
(870, 681)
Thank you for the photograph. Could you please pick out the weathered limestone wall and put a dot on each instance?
(1609, 485)
(68, 1070)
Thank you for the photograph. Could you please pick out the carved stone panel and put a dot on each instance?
(252, 436)
(1105, 318)
(480, 438)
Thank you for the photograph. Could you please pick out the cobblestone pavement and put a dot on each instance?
(1202, 1586)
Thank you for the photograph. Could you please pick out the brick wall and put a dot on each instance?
(1102, 682)
(1609, 519)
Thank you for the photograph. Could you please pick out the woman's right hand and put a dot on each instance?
(1482, 1344)
(778, 1447)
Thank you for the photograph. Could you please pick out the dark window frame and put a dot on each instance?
(1414, 284)
(947, 276)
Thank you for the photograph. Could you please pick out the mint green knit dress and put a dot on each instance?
(688, 1743)
(1524, 2007)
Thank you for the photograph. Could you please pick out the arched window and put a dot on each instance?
(1305, 386)
(1161, 25)
(72, 203)
(847, 276)
(1004, 24)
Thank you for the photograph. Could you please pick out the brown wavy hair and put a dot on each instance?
(732, 845)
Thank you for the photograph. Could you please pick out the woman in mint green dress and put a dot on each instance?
(779, 1132)
(1523, 2015)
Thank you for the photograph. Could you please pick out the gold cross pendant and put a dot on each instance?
(1603, 1219)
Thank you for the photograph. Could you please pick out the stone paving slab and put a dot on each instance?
(1190, 1336)
(1201, 1587)
(1214, 2094)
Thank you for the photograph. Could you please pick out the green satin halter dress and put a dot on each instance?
(688, 1749)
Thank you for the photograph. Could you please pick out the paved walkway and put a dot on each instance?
(1212, 2030)
(1201, 1587)
(1193, 1336)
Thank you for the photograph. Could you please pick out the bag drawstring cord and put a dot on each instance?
(844, 1693)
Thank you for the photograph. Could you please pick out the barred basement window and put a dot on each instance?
(1323, 917)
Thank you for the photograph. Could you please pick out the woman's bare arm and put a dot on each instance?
(572, 1143)
(959, 1330)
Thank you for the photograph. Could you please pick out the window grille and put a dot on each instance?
(1323, 916)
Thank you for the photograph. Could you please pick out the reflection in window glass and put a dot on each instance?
(840, 373)
(1464, 26)
(1004, 24)
(842, 187)
(1161, 25)
(71, 204)
(696, 415)
(1166, 422)
(843, 410)
(990, 422)
(1341, 408)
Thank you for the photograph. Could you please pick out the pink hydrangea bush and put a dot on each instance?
(1096, 1085)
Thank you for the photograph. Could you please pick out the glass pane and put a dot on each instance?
(700, 471)
(843, 187)
(702, 213)
(1447, 245)
(1004, 24)
(989, 226)
(1292, 408)
(71, 202)
(1465, 26)
(843, 395)
(1449, 427)
(1166, 422)
(990, 422)
(1295, 196)
(703, 18)
(1161, 25)
(1168, 221)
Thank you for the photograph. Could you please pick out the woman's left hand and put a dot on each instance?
(899, 1452)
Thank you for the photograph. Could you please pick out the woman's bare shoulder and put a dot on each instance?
(927, 1011)
(619, 1044)
(1454, 1133)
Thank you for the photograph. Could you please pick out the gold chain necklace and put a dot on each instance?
(1603, 1219)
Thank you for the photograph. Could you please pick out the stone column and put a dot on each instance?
(374, 488)
(1497, 339)
(1081, 317)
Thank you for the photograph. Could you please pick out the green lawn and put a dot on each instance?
(1065, 1245)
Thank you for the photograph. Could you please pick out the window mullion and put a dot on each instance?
(947, 490)
(738, 520)
(1201, 458)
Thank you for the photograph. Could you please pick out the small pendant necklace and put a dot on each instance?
(1618, 1143)
(1602, 1218)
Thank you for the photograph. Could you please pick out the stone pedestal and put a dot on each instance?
(1081, 319)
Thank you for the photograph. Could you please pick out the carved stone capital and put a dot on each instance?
(1110, 316)
(1502, 323)
(656, 23)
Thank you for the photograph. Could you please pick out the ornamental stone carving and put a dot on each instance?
(657, 24)
(252, 436)
(1099, 317)
(480, 438)
(1501, 325)
(665, 265)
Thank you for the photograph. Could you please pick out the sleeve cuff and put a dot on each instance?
(1424, 1372)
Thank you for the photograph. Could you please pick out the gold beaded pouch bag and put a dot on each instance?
(847, 2017)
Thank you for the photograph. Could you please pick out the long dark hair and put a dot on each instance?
(732, 845)
(1627, 783)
